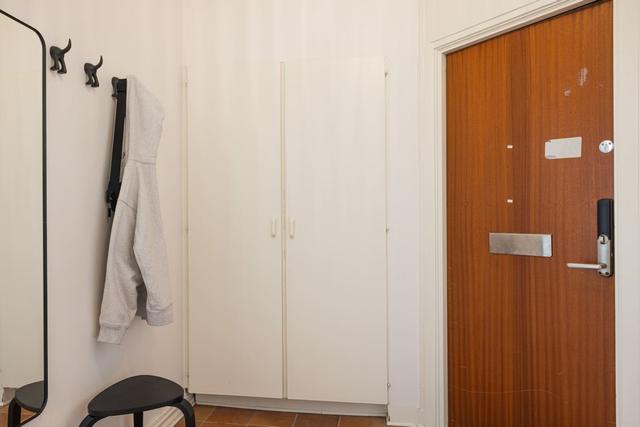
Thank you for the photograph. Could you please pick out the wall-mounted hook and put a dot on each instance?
(119, 86)
(92, 73)
(57, 54)
(113, 190)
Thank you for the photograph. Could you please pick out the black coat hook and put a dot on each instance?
(57, 54)
(92, 73)
(113, 190)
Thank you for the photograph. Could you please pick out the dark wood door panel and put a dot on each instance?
(530, 342)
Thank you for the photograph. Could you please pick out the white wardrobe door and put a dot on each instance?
(336, 238)
(235, 240)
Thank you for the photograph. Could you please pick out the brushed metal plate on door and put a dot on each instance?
(521, 244)
(564, 148)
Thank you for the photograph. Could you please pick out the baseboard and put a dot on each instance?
(6, 394)
(190, 398)
(402, 416)
(301, 406)
(169, 417)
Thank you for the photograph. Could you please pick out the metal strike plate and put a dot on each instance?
(521, 244)
(565, 148)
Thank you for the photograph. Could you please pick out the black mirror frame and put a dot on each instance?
(44, 212)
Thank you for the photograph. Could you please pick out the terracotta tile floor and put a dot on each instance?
(209, 416)
(3, 415)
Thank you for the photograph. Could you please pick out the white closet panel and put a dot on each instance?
(336, 239)
(235, 240)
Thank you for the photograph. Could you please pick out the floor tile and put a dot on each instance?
(230, 416)
(272, 419)
(314, 420)
(362, 422)
(202, 412)
(210, 416)
(215, 424)
(25, 415)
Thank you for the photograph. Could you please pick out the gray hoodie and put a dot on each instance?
(137, 279)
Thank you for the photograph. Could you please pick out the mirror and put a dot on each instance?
(23, 369)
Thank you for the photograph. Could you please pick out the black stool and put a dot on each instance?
(29, 397)
(136, 395)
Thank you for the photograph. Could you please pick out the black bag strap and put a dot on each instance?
(113, 189)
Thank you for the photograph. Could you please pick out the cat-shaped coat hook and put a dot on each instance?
(57, 54)
(92, 73)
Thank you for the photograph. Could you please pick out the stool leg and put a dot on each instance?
(138, 419)
(15, 413)
(187, 411)
(89, 421)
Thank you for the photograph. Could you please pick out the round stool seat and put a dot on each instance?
(31, 396)
(136, 394)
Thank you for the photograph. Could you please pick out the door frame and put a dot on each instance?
(433, 185)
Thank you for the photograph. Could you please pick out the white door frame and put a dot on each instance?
(433, 193)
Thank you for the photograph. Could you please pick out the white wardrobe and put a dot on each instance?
(287, 231)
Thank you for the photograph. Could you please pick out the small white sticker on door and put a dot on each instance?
(564, 148)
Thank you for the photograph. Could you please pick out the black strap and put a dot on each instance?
(113, 190)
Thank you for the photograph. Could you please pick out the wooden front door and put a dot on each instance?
(530, 341)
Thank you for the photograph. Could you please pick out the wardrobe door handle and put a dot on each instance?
(292, 228)
(274, 226)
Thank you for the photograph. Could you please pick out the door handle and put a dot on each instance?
(274, 226)
(604, 242)
(292, 228)
(581, 266)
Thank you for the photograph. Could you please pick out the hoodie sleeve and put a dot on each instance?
(150, 251)
(119, 302)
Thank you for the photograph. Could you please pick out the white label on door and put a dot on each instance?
(565, 148)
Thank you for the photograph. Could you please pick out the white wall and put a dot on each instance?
(142, 37)
(450, 16)
(224, 31)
